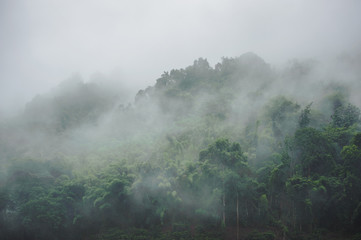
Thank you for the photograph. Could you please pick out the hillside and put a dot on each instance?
(241, 150)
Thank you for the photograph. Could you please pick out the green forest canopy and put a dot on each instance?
(230, 152)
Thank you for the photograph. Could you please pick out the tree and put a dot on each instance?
(313, 152)
(346, 116)
(351, 156)
(230, 163)
(281, 112)
(304, 119)
(356, 140)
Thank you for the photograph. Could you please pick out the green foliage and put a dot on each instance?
(304, 119)
(222, 152)
(356, 140)
(351, 156)
(313, 152)
(187, 161)
(280, 108)
(281, 114)
(346, 116)
(340, 136)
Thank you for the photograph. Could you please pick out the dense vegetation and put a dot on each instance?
(238, 151)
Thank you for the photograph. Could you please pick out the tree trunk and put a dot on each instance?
(224, 210)
(309, 171)
(237, 219)
(246, 211)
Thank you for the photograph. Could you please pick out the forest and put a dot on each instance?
(239, 150)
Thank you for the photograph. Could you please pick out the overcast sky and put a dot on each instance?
(43, 42)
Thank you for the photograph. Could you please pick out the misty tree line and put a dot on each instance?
(205, 153)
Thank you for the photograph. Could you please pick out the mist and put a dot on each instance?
(45, 42)
(180, 120)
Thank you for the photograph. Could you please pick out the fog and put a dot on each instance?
(132, 42)
(175, 119)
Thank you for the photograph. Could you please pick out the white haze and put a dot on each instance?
(43, 42)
